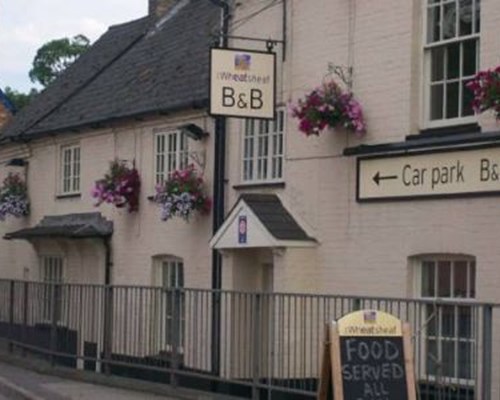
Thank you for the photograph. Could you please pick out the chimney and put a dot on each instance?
(158, 8)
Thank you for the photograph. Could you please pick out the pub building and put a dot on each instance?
(396, 196)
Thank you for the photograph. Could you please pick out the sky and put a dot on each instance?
(25, 25)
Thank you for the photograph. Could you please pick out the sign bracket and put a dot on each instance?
(270, 43)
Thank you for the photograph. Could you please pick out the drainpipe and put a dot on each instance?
(107, 260)
(218, 210)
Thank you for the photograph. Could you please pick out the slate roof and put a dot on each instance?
(134, 69)
(72, 226)
(275, 217)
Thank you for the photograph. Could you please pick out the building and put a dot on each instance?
(317, 213)
(404, 238)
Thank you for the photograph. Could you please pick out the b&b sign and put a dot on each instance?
(367, 356)
(242, 83)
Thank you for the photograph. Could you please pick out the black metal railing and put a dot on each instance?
(270, 342)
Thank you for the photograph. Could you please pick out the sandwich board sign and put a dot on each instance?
(242, 83)
(367, 356)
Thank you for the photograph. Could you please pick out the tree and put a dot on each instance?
(18, 99)
(55, 56)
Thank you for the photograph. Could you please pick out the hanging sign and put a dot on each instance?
(367, 356)
(242, 83)
(444, 173)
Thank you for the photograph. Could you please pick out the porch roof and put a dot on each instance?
(71, 226)
(267, 224)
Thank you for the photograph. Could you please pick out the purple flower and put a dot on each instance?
(329, 106)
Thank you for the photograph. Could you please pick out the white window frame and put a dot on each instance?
(263, 150)
(52, 270)
(426, 68)
(70, 169)
(171, 152)
(438, 310)
(165, 268)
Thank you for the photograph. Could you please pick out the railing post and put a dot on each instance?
(25, 318)
(11, 315)
(487, 352)
(53, 325)
(256, 347)
(176, 326)
(108, 328)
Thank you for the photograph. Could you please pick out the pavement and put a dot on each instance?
(24, 384)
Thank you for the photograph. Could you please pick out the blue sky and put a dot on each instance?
(25, 25)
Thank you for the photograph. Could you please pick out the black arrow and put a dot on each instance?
(377, 178)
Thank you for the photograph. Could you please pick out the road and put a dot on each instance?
(34, 386)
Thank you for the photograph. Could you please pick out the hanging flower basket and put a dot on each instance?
(486, 88)
(13, 197)
(329, 107)
(182, 194)
(120, 186)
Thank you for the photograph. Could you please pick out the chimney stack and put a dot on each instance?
(158, 8)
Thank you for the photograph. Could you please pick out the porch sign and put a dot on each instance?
(242, 83)
(367, 356)
(444, 173)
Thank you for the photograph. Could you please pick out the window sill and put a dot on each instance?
(68, 196)
(446, 131)
(259, 185)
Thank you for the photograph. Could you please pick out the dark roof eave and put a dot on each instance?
(424, 143)
(21, 236)
(192, 105)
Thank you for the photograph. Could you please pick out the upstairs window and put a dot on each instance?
(452, 59)
(263, 150)
(171, 153)
(70, 170)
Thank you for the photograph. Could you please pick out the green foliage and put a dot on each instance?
(18, 99)
(55, 56)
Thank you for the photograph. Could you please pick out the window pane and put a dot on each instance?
(431, 318)
(432, 356)
(470, 58)
(453, 61)
(437, 64)
(465, 361)
(472, 280)
(460, 279)
(444, 279)
(466, 15)
(448, 357)
(428, 281)
(447, 321)
(477, 16)
(465, 322)
(436, 102)
(433, 24)
(180, 279)
(452, 100)
(467, 97)
(449, 20)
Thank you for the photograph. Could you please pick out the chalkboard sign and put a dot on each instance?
(367, 356)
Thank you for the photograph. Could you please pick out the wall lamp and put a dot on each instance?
(17, 162)
(193, 131)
